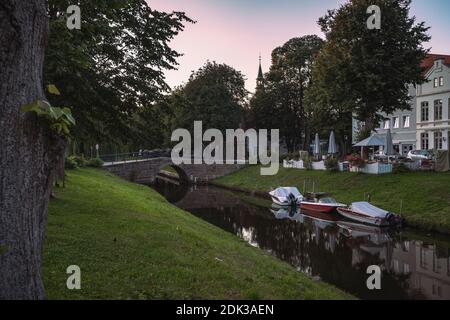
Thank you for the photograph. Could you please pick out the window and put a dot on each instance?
(386, 124)
(435, 82)
(425, 142)
(438, 140)
(423, 258)
(406, 268)
(406, 121)
(437, 110)
(425, 114)
(396, 122)
(441, 81)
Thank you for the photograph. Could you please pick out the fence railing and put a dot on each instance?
(134, 156)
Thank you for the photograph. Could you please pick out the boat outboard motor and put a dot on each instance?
(293, 200)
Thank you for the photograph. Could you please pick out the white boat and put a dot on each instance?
(367, 213)
(286, 196)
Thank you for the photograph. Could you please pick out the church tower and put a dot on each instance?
(260, 79)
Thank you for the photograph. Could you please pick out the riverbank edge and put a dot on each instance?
(122, 214)
(264, 195)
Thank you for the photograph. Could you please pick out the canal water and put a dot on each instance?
(415, 265)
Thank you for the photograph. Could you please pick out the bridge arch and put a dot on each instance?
(182, 175)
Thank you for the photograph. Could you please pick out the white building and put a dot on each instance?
(433, 105)
(402, 124)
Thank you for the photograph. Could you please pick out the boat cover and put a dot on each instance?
(369, 210)
(284, 192)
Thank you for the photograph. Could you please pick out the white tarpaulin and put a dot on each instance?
(284, 192)
(369, 210)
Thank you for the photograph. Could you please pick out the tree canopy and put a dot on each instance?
(366, 72)
(113, 67)
(215, 95)
(280, 103)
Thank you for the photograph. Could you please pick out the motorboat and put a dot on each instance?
(320, 202)
(367, 213)
(286, 196)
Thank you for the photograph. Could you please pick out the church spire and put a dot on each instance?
(260, 79)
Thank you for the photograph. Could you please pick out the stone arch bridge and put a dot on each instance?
(145, 171)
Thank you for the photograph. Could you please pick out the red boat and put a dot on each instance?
(320, 202)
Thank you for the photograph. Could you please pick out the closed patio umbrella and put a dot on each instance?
(332, 148)
(317, 145)
(389, 144)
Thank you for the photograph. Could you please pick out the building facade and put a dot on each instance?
(402, 124)
(427, 125)
(433, 105)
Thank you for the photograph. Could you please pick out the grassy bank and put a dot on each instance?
(131, 244)
(426, 196)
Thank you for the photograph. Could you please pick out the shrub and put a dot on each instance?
(332, 164)
(290, 156)
(356, 161)
(401, 168)
(70, 163)
(307, 162)
(80, 160)
(95, 163)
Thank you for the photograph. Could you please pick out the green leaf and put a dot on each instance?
(68, 113)
(58, 113)
(52, 113)
(30, 107)
(53, 89)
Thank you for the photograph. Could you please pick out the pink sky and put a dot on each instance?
(236, 31)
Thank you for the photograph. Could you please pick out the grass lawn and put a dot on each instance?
(131, 244)
(426, 196)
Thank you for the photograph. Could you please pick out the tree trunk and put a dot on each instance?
(28, 150)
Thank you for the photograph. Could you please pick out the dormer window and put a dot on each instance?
(387, 124)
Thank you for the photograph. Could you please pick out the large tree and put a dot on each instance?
(215, 94)
(113, 67)
(106, 71)
(28, 149)
(280, 102)
(364, 71)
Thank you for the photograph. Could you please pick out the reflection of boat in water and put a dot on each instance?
(298, 215)
(367, 213)
(291, 213)
(354, 230)
(332, 218)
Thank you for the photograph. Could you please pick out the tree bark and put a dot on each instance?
(28, 149)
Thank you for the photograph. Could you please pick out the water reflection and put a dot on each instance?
(415, 266)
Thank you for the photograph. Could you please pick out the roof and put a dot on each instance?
(372, 141)
(260, 73)
(428, 62)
